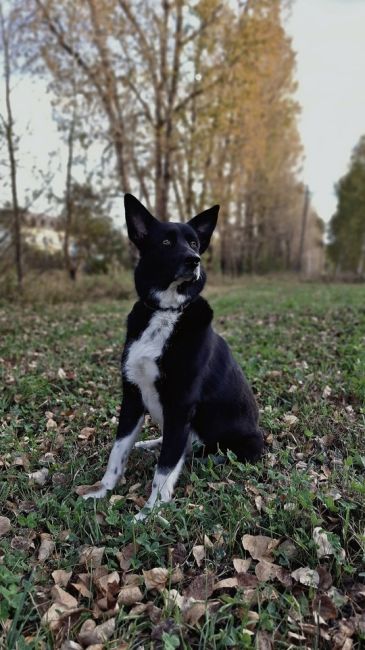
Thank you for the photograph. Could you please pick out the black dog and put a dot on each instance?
(174, 365)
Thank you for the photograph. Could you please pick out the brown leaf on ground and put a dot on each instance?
(56, 614)
(125, 556)
(290, 419)
(247, 580)
(51, 424)
(5, 525)
(193, 613)
(86, 433)
(87, 628)
(70, 645)
(91, 634)
(325, 578)
(324, 546)
(129, 595)
(133, 579)
(61, 596)
(82, 490)
(288, 549)
(177, 554)
(201, 587)
(19, 543)
(260, 547)
(61, 577)
(156, 578)
(176, 576)
(208, 542)
(226, 583)
(109, 583)
(306, 576)
(83, 585)
(324, 607)
(92, 556)
(268, 571)
(199, 554)
(46, 548)
(240, 565)
(263, 641)
(39, 477)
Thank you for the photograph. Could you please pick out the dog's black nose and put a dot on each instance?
(192, 261)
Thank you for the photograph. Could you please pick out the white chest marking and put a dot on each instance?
(141, 364)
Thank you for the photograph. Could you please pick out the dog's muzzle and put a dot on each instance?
(190, 269)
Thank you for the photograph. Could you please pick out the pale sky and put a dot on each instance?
(329, 37)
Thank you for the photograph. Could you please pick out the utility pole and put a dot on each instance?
(299, 265)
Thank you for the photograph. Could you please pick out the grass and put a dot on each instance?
(302, 348)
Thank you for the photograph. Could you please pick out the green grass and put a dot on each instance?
(302, 348)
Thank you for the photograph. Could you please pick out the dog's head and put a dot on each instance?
(169, 270)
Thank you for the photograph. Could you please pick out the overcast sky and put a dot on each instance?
(329, 37)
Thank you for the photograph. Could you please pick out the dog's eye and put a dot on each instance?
(193, 244)
(166, 242)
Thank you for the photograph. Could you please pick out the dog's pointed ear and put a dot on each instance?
(204, 224)
(139, 221)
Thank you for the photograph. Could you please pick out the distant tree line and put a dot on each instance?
(347, 226)
(191, 102)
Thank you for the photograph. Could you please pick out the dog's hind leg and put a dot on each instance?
(130, 423)
(170, 463)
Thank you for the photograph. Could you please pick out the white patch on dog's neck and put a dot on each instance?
(170, 298)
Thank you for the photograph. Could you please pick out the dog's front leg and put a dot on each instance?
(129, 426)
(174, 445)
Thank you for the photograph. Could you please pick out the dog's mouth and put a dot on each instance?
(185, 275)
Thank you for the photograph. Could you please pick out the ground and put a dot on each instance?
(262, 556)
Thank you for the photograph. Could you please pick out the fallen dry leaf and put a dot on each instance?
(156, 578)
(86, 433)
(39, 477)
(82, 490)
(109, 583)
(46, 548)
(290, 419)
(92, 634)
(92, 556)
(324, 607)
(208, 542)
(267, 571)
(201, 587)
(226, 583)
(326, 391)
(260, 547)
(51, 425)
(323, 544)
(306, 576)
(61, 577)
(62, 597)
(194, 613)
(199, 554)
(5, 525)
(129, 595)
(241, 566)
(263, 641)
(70, 645)
(125, 556)
(54, 616)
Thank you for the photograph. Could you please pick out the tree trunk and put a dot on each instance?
(69, 264)
(9, 133)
